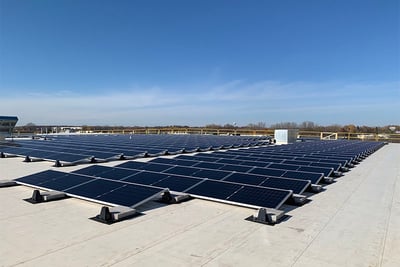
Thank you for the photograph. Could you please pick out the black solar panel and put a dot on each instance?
(243, 194)
(188, 171)
(129, 195)
(146, 178)
(214, 189)
(313, 177)
(208, 165)
(244, 178)
(236, 168)
(92, 170)
(156, 167)
(95, 188)
(297, 186)
(211, 174)
(132, 165)
(177, 183)
(54, 180)
(117, 173)
(62, 183)
(41, 177)
(261, 197)
(268, 172)
(183, 162)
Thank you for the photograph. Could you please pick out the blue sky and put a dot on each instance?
(200, 62)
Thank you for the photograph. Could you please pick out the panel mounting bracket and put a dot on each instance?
(110, 215)
(266, 216)
(38, 197)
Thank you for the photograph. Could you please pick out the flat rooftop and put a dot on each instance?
(354, 222)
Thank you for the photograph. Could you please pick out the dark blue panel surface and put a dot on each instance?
(208, 165)
(162, 160)
(237, 168)
(244, 178)
(117, 173)
(92, 170)
(254, 163)
(268, 172)
(313, 177)
(156, 167)
(283, 166)
(177, 183)
(229, 161)
(132, 165)
(326, 171)
(188, 171)
(214, 189)
(297, 186)
(211, 174)
(41, 177)
(64, 182)
(94, 189)
(183, 162)
(129, 195)
(146, 178)
(262, 197)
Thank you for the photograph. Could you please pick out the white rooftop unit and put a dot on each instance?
(286, 136)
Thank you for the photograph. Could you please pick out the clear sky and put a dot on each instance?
(191, 62)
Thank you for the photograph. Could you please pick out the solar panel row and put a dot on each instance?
(72, 149)
(257, 177)
(125, 191)
(100, 190)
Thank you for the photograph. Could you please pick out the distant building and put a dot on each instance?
(7, 124)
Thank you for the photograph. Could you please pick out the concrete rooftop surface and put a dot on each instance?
(354, 222)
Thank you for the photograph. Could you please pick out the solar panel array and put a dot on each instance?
(88, 148)
(264, 176)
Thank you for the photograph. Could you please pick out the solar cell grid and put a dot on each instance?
(211, 174)
(313, 177)
(177, 183)
(237, 168)
(62, 183)
(244, 178)
(214, 189)
(268, 172)
(108, 147)
(92, 170)
(183, 162)
(207, 165)
(156, 167)
(94, 189)
(129, 195)
(39, 178)
(297, 186)
(118, 173)
(188, 171)
(145, 177)
(261, 197)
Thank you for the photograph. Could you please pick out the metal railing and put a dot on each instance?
(387, 137)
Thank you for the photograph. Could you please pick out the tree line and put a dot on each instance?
(303, 126)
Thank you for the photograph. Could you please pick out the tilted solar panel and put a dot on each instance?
(188, 171)
(262, 197)
(241, 194)
(145, 178)
(130, 195)
(117, 173)
(215, 189)
(178, 183)
(92, 170)
(211, 174)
